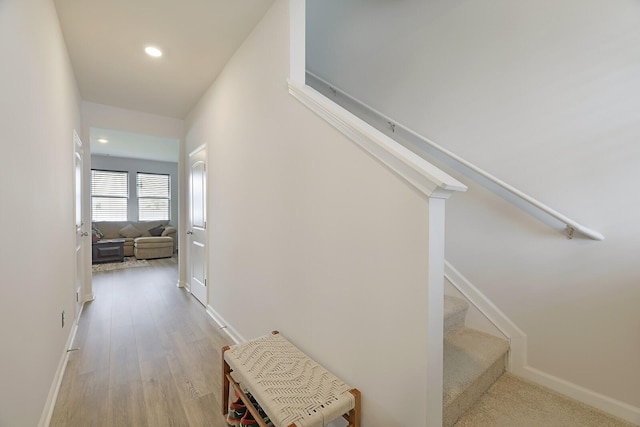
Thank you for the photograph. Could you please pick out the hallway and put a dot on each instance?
(147, 355)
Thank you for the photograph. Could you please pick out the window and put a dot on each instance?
(154, 196)
(109, 195)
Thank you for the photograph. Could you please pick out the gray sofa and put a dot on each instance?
(151, 235)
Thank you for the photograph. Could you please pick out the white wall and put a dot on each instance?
(310, 235)
(39, 108)
(110, 117)
(545, 95)
(133, 166)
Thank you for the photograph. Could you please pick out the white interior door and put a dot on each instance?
(80, 232)
(196, 230)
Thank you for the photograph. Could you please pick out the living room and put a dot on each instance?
(134, 198)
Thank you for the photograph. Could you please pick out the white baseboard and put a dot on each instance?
(182, 284)
(599, 401)
(233, 334)
(187, 286)
(50, 404)
(518, 358)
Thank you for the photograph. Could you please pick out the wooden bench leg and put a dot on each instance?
(247, 402)
(354, 414)
(225, 383)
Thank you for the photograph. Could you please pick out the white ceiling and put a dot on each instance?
(106, 40)
(134, 145)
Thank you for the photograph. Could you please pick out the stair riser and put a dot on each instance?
(455, 312)
(454, 321)
(454, 410)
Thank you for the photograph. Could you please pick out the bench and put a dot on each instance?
(291, 388)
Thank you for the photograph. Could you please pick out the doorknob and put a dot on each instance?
(189, 232)
(84, 234)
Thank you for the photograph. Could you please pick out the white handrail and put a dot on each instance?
(571, 225)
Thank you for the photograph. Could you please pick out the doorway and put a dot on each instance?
(138, 186)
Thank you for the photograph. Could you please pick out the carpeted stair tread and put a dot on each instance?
(473, 361)
(455, 310)
(512, 401)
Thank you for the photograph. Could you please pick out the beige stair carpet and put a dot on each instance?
(512, 402)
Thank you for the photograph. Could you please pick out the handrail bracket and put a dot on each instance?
(570, 230)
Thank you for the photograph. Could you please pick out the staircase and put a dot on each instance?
(473, 361)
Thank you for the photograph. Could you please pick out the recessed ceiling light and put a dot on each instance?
(103, 140)
(153, 51)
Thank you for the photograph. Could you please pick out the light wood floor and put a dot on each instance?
(148, 355)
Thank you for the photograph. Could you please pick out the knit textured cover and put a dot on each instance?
(290, 387)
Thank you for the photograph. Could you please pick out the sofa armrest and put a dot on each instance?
(169, 231)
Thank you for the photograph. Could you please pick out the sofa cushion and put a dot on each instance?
(130, 231)
(111, 229)
(169, 230)
(156, 231)
(153, 242)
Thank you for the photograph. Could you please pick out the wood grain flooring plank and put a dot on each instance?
(204, 412)
(127, 405)
(123, 363)
(193, 368)
(161, 395)
(87, 402)
(149, 355)
(95, 349)
(148, 341)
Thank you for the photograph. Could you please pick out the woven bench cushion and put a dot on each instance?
(290, 387)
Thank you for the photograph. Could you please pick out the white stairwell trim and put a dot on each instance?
(611, 406)
(517, 338)
(518, 364)
(414, 169)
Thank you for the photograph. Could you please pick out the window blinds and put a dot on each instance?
(109, 195)
(154, 196)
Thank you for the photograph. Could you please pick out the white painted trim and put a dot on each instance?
(517, 338)
(297, 41)
(604, 403)
(47, 412)
(417, 171)
(76, 139)
(232, 333)
(77, 320)
(435, 312)
(197, 149)
(182, 284)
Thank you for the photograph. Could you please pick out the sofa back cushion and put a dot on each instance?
(111, 229)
